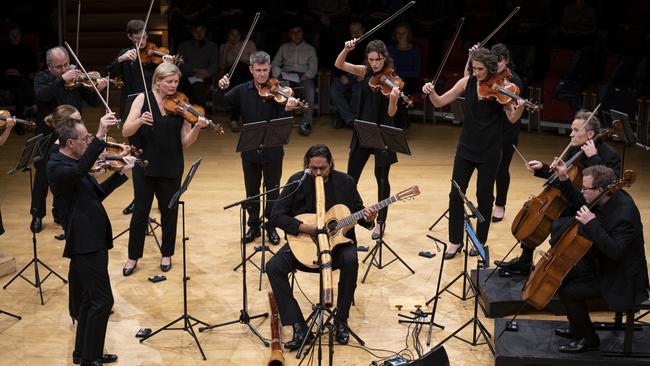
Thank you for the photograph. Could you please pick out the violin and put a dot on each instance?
(384, 81)
(178, 104)
(154, 54)
(82, 80)
(113, 157)
(554, 265)
(273, 90)
(499, 88)
(532, 225)
(5, 115)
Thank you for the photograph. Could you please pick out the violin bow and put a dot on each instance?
(448, 52)
(384, 22)
(78, 23)
(499, 27)
(243, 45)
(101, 97)
(137, 52)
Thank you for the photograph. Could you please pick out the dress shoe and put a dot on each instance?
(252, 233)
(128, 209)
(496, 219)
(473, 252)
(451, 255)
(91, 363)
(166, 267)
(342, 334)
(60, 236)
(273, 236)
(305, 129)
(339, 123)
(234, 126)
(106, 358)
(581, 345)
(376, 232)
(300, 331)
(518, 265)
(127, 271)
(36, 225)
(563, 332)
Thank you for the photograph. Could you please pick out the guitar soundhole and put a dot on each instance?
(331, 227)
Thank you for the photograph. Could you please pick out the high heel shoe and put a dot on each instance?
(451, 255)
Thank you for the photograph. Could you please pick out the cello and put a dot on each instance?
(554, 265)
(532, 225)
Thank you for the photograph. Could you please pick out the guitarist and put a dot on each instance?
(340, 188)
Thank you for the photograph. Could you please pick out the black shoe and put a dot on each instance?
(166, 267)
(518, 265)
(91, 363)
(563, 332)
(581, 345)
(473, 252)
(106, 358)
(127, 271)
(300, 330)
(252, 233)
(451, 255)
(60, 236)
(339, 123)
(36, 225)
(342, 334)
(273, 236)
(305, 129)
(496, 219)
(128, 209)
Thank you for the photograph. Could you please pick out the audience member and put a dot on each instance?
(201, 59)
(406, 56)
(17, 66)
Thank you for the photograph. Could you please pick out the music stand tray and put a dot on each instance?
(27, 154)
(271, 133)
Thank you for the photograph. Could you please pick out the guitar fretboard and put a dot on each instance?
(359, 214)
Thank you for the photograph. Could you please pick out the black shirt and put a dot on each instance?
(162, 143)
(51, 92)
(480, 138)
(606, 156)
(255, 109)
(131, 76)
(511, 130)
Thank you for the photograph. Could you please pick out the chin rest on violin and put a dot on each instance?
(178, 104)
(273, 90)
(384, 82)
(500, 88)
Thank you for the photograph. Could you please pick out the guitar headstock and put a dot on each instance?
(408, 193)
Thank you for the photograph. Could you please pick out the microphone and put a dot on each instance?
(306, 173)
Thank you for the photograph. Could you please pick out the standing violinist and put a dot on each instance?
(615, 267)
(510, 133)
(126, 65)
(49, 87)
(373, 107)
(479, 147)
(163, 137)
(262, 162)
(583, 131)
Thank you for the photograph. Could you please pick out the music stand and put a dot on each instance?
(627, 138)
(185, 317)
(257, 136)
(34, 150)
(386, 138)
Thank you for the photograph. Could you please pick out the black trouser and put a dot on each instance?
(145, 188)
(486, 173)
(90, 272)
(357, 161)
(503, 172)
(253, 173)
(41, 187)
(577, 288)
(199, 92)
(281, 264)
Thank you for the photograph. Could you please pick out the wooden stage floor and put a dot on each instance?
(45, 335)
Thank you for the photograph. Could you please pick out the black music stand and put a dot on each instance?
(256, 136)
(386, 138)
(34, 150)
(627, 138)
(479, 330)
(185, 317)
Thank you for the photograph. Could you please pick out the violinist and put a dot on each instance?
(49, 87)
(510, 133)
(583, 130)
(479, 147)
(4, 135)
(262, 162)
(163, 137)
(374, 107)
(88, 232)
(615, 267)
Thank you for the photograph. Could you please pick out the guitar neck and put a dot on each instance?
(359, 214)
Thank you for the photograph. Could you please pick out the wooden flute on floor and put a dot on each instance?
(276, 359)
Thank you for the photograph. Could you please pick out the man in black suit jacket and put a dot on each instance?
(87, 230)
(340, 188)
(615, 267)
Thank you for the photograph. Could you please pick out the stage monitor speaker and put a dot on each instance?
(435, 357)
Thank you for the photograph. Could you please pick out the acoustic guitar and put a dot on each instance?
(338, 221)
